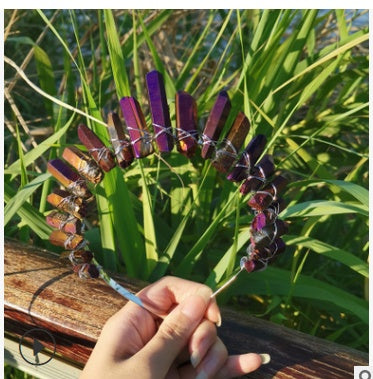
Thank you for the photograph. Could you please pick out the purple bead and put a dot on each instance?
(159, 111)
(215, 123)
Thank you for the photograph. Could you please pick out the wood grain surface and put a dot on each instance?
(40, 290)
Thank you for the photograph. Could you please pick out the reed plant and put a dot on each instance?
(300, 76)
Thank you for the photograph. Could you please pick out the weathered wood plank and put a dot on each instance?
(41, 290)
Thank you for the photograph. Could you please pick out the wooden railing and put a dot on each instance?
(42, 292)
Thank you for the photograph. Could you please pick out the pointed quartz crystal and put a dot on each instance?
(214, 125)
(159, 111)
(99, 152)
(227, 153)
(258, 175)
(64, 222)
(141, 139)
(84, 164)
(121, 144)
(249, 156)
(263, 198)
(66, 240)
(186, 123)
(66, 202)
(70, 179)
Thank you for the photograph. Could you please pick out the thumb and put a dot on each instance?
(174, 333)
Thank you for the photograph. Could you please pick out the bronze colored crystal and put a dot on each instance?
(99, 152)
(66, 202)
(227, 153)
(121, 144)
(78, 256)
(86, 270)
(70, 179)
(64, 222)
(66, 240)
(84, 164)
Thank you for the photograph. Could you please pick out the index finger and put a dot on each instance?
(163, 295)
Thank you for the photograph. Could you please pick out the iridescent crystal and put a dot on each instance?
(99, 152)
(121, 144)
(186, 123)
(84, 164)
(66, 202)
(215, 124)
(141, 139)
(228, 151)
(70, 179)
(64, 222)
(159, 111)
(248, 159)
(263, 198)
(66, 240)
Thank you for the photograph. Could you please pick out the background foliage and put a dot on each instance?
(302, 79)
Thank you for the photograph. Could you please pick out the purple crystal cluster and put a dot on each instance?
(219, 141)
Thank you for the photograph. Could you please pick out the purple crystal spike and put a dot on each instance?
(159, 111)
(186, 122)
(215, 123)
(140, 136)
(248, 158)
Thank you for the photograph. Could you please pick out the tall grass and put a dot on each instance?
(302, 79)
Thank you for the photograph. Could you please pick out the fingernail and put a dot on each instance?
(195, 358)
(202, 375)
(218, 323)
(266, 358)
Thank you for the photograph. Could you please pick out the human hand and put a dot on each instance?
(135, 343)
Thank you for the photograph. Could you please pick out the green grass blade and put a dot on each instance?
(149, 229)
(116, 56)
(322, 207)
(219, 270)
(169, 84)
(276, 281)
(186, 265)
(340, 255)
(29, 158)
(17, 201)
